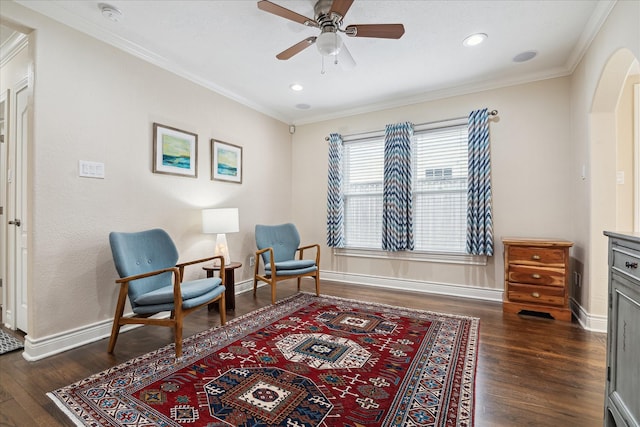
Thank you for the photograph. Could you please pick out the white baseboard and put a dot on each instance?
(590, 322)
(455, 290)
(36, 349)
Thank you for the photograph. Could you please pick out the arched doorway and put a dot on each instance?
(610, 207)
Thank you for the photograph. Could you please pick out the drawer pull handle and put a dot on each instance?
(631, 264)
(535, 257)
(535, 276)
(535, 294)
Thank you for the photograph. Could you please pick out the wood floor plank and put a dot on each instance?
(531, 371)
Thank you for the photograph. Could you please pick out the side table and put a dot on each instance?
(229, 283)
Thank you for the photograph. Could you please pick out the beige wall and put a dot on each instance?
(530, 142)
(94, 102)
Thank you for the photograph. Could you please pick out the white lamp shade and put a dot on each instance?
(220, 221)
(329, 43)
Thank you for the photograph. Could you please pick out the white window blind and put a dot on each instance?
(363, 174)
(439, 190)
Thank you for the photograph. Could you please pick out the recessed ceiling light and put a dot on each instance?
(525, 56)
(110, 12)
(474, 39)
(296, 87)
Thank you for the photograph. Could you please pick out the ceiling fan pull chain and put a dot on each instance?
(322, 69)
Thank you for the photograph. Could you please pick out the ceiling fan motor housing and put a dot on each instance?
(327, 20)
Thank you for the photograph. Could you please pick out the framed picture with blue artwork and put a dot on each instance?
(175, 152)
(226, 162)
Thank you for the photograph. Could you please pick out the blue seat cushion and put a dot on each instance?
(294, 264)
(190, 289)
(292, 272)
(193, 302)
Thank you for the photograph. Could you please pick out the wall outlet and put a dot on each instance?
(252, 261)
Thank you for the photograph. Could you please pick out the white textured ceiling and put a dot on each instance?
(230, 47)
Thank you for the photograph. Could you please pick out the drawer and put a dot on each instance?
(529, 255)
(536, 294)
(536, 275)
(626, 261)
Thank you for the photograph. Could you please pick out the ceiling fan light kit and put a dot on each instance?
(329, 43)
(328, 17)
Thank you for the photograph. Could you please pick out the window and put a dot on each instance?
(439, 190)
(440, 193)
(363, 177)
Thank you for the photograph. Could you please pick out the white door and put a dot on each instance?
(16, 210)
(4, 117)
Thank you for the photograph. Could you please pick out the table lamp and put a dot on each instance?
(220, 221)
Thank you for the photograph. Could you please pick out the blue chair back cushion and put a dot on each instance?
(151, 250)
(283, 238)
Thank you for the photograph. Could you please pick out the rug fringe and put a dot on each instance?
(66, 411)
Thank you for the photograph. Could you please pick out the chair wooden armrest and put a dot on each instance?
(175, 270)
(182, 265)
(259, 257)
(317, 248)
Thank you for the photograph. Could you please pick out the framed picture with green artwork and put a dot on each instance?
(175, 152)
(226, 162)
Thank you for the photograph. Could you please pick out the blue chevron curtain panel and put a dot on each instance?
(335, 201)
(479, 217)
(397, 213)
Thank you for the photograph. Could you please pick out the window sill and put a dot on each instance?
(438, 257)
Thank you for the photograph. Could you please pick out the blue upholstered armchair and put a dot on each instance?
(277, 247)
(149, 276)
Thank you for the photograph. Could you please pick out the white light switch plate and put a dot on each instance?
(90, 169)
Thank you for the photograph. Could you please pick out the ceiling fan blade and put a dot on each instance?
(341, 7)
(296, 48)
(345, 60)
(381, 31)
(283, 12)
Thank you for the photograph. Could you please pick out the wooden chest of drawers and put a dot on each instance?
(536, 276)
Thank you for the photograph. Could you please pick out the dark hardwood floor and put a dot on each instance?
(531, 371)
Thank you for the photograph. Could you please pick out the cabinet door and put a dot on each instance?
(624, 357)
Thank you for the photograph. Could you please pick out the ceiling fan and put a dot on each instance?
(328, 17)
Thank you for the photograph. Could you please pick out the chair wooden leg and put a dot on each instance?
(299, 279)
(318, 284)
(223, 309)
(115, 329)
(255, 276)
(177, 327)
(273, 290)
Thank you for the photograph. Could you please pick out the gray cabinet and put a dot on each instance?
(622, 399)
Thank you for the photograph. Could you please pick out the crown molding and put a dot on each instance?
(14, 44)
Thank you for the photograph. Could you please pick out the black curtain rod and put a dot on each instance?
(491, 113)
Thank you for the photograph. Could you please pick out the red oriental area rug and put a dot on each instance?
(306, 361)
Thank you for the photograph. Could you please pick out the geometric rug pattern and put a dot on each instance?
(9, 343)
(305, 361)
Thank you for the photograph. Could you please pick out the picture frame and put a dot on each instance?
(175, 151)
(226, 162)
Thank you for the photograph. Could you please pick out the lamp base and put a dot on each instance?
(221, 249)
